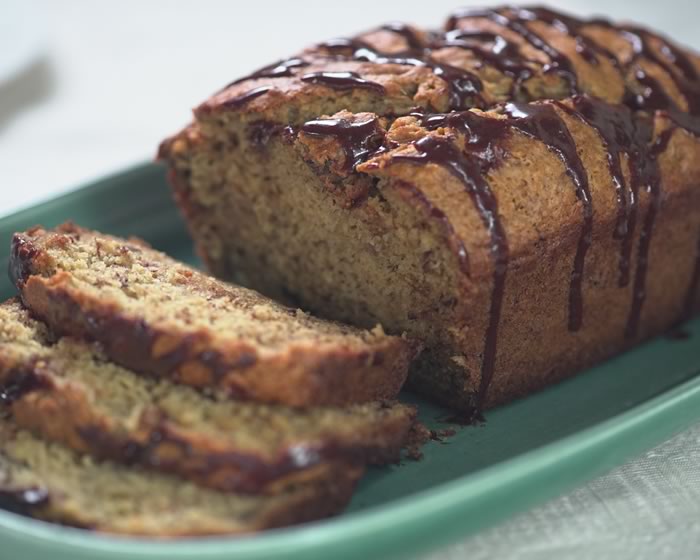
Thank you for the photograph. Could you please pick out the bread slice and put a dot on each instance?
(157, 316)
(67, 391)
(51, 482)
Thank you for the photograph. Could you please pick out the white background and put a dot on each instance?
(116, 77)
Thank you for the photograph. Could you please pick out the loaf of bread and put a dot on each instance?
(66, 391)
(51, 482)
(157, 316)
(519, 190)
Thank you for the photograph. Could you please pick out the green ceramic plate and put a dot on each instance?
(527, 452)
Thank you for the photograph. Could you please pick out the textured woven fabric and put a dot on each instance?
(648, 508)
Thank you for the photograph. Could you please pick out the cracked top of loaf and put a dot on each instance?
(478, 59)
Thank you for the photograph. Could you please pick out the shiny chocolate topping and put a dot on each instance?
(464, 87)
(280, 69)
(358, 139)
(544, 124)
(342, 81)
(515, 19)
(240, 100)
(617, 127)
(469, 166)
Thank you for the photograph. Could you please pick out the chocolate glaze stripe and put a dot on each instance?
(502, 55)
(358, 139)
(240, 100)
(694, 286)
(570, 25)
(466, 167)
(407, 32)
(464, 87)
(675, 63)
(544, 124)
(342, 81)
(280, 69)
(515, 19)
(649, 176)
(617, 129)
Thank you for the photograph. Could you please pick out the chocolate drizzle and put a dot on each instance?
(464, 87)
(358, 139)
(692, 293)
(342, 81)
(649, 177)
(571, 26)
(542, 123)
(280, 69)
(617, 127)
(469, 166)
(502, 55)
(240, 100)
(516, 20)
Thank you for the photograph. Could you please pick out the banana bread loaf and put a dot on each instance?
(53, 483)
(157, 316)
(518, 190)
(66, 391)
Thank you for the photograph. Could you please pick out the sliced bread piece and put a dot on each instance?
(51, 482)
(68, 392)
(161, 317)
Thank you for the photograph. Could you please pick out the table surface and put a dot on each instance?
(116, 77)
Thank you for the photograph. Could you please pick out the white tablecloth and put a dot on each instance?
(116, 77)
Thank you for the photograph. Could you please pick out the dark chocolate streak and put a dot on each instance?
(692, 293)
(542, 123)
(468, 167)
(617, 127)
(464, 87)
(502, 55)
(650, 178)
(240, 100)
(516, 20)
(342, 81)
(358, 139)
(280, 69)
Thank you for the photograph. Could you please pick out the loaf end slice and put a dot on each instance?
(51, 482)
(160, 317)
